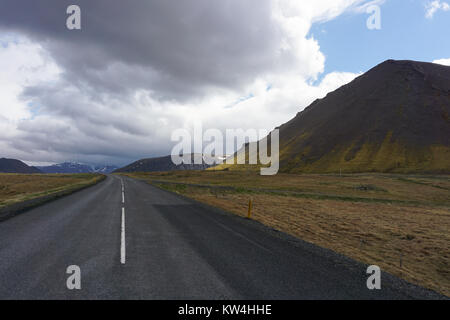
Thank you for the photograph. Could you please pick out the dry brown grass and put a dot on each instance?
(16, 188)
(425, 189)
(376, 219)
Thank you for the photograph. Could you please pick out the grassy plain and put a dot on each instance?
(15, 188)
(399, 222)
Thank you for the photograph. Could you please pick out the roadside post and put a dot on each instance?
(250, 206)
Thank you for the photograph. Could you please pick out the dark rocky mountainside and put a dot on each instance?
(394, 118)
(164, 164)
(16, 166)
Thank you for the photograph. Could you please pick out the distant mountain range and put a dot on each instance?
(73, 167)
(166, 164)
(144, 165)
(16, 166)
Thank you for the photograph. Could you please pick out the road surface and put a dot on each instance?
(146, 243)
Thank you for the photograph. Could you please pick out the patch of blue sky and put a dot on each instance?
(34, 109)
(7, 38)
(406, 34)
(240, 100)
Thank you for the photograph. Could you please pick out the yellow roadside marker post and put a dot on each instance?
(250, 205)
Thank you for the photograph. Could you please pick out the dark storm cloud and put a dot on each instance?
(140, 69)
(178, 49)
(175, 51)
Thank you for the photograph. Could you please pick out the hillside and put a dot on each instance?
(163, 164)
(394, 118)
(16, 166)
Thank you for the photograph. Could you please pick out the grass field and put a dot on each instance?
(15, 188)
(399, 222)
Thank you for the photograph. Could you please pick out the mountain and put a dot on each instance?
(16, 166)
(73, 167)
(104, 169)
(165, 164)
(394, 118)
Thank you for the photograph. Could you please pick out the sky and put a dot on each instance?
(114, 91)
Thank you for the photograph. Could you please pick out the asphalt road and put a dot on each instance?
(171, 248)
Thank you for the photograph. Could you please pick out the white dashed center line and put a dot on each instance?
(122, 233)
(122, 239)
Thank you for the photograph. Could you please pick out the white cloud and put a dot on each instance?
(433, 6)
(445, 62)
(88, 123)
(22, 63)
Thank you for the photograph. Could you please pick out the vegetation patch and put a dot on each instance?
(17, 188)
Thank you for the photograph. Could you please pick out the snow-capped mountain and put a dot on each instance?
(74, 167)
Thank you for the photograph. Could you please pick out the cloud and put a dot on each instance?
(445, 62)
(115, 90)
(433, 6)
